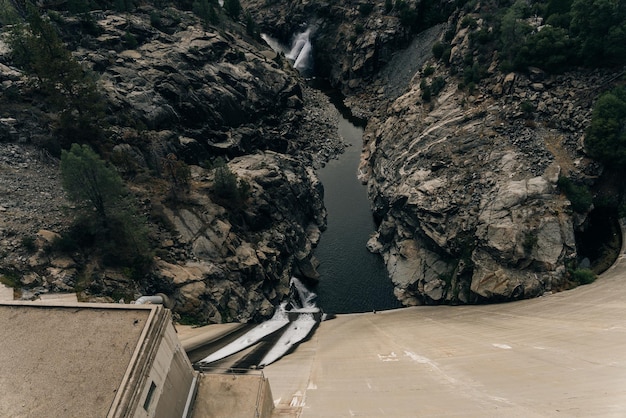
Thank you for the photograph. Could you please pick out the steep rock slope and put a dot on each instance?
(464, 183)
(191, 93)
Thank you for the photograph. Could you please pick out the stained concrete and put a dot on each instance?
(66, 360)
(222, 395)
(560, 355)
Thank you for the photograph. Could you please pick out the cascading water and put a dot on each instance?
(300, 53)
(307, 298)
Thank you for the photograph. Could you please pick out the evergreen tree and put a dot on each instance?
(600, 28)
(118, 230)
(233, 8)
(68, 88)
(606, 136)
(87, 178)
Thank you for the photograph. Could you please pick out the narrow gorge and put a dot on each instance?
(473, 181)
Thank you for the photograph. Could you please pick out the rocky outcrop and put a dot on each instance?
(197, 93)
(464, 185)
(242, 258)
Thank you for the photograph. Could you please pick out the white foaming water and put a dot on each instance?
(308, 299)
(297, 331)
(300, 53)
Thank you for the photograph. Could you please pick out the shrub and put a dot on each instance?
(438, 49)
(529, 242)
(428, 71)
(87, 178)
(550, 49)
(232, 8)
(605, 138)
(366, 8)
(426, 92)
(130, 41)
(227, 186)
(469, 21)
(28, 242)
(111, 220)
(179, 176)
(38, 49)
(527, 107)
(437, 85)
(583, 276)
(579, 196)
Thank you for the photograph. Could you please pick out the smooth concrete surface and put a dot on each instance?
(562, 355)
(66, 360)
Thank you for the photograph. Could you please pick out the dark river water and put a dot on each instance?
(352, 278)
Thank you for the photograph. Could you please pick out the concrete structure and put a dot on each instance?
(91, 360)
(561, 355)
(233, 395)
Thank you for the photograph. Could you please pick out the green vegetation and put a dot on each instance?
(207, 10)
(232, 8)
(583, 276)
(579, 195)
(366, 8)
(226, 185)
(529, 242)
(578, 32)
(527, 107)
(28, 242)
(10, 279)
(554, 35)
(68, 89)
(606, 136)
(107, 216)
(87, 178)
(423, 15)
(428, 71)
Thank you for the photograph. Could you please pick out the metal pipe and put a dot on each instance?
(155, 300)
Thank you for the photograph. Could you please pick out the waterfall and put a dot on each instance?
(307, 298)
(300, 53)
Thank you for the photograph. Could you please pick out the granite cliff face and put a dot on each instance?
(465, 188)
(194, 93)
(464, 183)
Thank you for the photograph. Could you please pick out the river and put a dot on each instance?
(352, 278)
